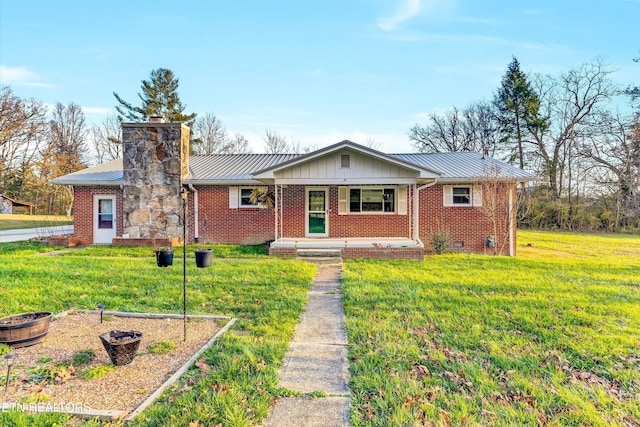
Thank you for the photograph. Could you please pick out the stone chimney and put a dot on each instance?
(155, 161)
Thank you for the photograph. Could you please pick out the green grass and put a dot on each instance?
(218, 250)
(267, 296)
(18, 221)
(550, 337)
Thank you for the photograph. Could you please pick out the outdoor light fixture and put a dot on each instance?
(10, 359)
(101, 310)
(184, 194)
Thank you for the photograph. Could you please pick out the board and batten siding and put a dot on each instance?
(362, 170)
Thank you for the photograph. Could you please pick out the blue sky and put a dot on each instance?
(316, 71)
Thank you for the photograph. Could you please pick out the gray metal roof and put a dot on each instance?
(239, 168)
(109, 173)
(464, 166)
(232, 168)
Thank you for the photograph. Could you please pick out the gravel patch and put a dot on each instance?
(122, 389)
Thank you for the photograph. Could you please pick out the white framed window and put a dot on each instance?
(462, 195)
(372, 200)
(245, 197)
(240, 197)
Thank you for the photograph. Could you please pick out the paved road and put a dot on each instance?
(30, 233)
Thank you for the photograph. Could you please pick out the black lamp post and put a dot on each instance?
(9, 359)
(184, 194)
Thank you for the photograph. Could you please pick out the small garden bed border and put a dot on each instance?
(130, 415)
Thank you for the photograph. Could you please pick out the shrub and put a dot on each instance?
(440, 242)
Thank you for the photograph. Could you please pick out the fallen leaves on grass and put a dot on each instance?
(202, 365)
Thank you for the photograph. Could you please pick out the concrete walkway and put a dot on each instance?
(317, 360)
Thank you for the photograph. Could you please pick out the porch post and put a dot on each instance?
(276, 210)
(416, 209)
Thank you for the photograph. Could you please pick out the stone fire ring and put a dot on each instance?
(130, 415)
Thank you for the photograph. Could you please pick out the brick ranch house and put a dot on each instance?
(345, 196)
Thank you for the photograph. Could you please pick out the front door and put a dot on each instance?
(104, 219)
(317, 212)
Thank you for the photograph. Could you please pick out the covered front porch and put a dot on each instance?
(354, 247)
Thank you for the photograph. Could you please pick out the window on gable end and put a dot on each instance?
(345, 161)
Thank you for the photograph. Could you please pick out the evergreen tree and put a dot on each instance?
(518, 107)
(159, 98)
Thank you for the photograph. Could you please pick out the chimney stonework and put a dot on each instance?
(155, 161)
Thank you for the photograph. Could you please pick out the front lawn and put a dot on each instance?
(19, 221)
(549, 338)
(267, 296)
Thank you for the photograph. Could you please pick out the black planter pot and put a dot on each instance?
(203, 257)
(122, 347)
(164, 257)
(23, 330)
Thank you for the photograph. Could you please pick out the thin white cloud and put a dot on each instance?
(20, 76)
(408, 10)
(96, 110)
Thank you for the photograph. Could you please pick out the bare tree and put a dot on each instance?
(239, 144)
(372, 143)
(473, 129)
(63, 154)
(499, 208)
(209, 135)
(570, 103)
(22, 128)
(614, 146)
(107, 139)
(275, 143)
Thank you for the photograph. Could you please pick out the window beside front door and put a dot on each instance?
(371, 200)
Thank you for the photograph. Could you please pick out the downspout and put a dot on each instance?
(195, 212)
(512, 233)
(416, 211)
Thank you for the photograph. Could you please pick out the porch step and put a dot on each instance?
(319, 253)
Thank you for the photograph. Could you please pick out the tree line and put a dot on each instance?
(38, 143)
(564, 128)
(567, 130)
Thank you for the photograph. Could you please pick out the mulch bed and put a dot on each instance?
(121, 389)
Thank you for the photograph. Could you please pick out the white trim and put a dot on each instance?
(233, 197)
(306, 212)
(104, 235)
(401, 200)
(345, 181)
(475, 196)
(251, 188)
(347, 206)
(343, 200)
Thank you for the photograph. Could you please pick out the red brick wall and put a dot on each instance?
(469, 225)
(83, 210)
(224, 225)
